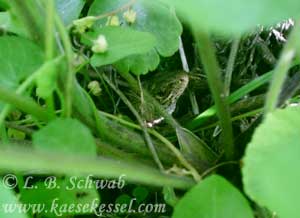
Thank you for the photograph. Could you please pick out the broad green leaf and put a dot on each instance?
(7, 197)
(69, 10)
(19, 58)
(271, 165)
(58, 196)
(66, 136)
(152, 16)
(214, 197)
(121, 42)
(236, 16)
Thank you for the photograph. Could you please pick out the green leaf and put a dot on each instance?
(170, 196)
(152, 16)
(236, 16)
(139, 64)
(66, 136)
(130, 42)
(59, 195)
(214, 197)
(193, 147)
(235, 96)
(69, 10)
(271, 165)
(7, 197)
(46, 77)
(19, 58)
(140, 193)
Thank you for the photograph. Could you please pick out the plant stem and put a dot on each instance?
(18, 159)
(24, 104)
(7, 108)
(291, 48)
(209, 60)
(230, 65)
(50, 25)
(70, 72)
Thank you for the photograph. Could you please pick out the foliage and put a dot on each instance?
(84, 87)
(271, 161)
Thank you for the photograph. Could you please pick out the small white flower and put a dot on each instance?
(94, 88)
(130, 16)
(100, 45)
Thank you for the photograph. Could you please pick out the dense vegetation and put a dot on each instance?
(139, 108)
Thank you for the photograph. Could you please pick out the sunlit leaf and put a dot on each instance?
(270, 174)
(214, 197)
(152, 16)
(121, 42)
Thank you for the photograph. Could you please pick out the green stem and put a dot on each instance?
(209, 60)
(291, 48)
(230, 65)
(3, 134)
(24, 104)
(49, 37)
(70, 72)
(7, 108)
(28, 160)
